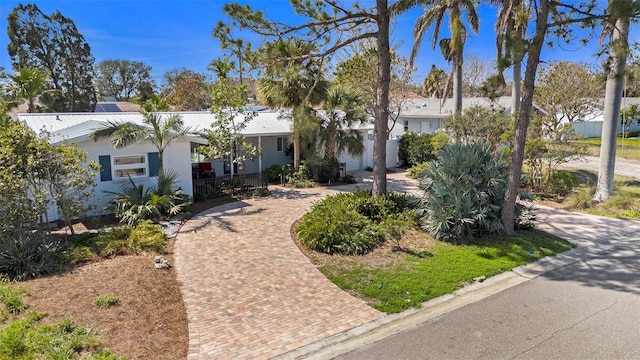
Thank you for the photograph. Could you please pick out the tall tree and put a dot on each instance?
(123, 79)
(453, 47)
(160, 130)
(475, 72)
(434, 83)
(186, 90)
(511, 45)
(53, 44)
(618, 31)
(296, 84)
(330, 25)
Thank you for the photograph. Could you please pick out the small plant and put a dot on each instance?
(416, 171)
(11, 299)
(415, 148)
(273, 173)
(368, 168)
(261, 192)
(25, 255)
(350, 179)
(560, 183)
(106, 301)
(146, 236)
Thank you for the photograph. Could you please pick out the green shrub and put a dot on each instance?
(11, 299)
(416, 171)
(146, 236)
(415, 148)
(25, 255)
(439, 140)
(351, 223)
(560, 183)
(273, 173)
(322, 170)
(261, 192)
(106, 301)
(464, 192)
(350, 179)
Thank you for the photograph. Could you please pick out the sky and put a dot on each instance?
(168, 34)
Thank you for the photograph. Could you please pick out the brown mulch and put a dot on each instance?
(149, 321)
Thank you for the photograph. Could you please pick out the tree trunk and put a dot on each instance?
(381, 108)
(296, 147)
(161, 163)
(457, 84)
(515, 87)
(612, 100)
(515, 169)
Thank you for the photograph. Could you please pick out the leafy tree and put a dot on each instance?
(330, 26)
(158, 129)
(567, 92)
(453, 47)
(632, 85)
(415, 149)
(617, 29)
(296, 84)
(52, 43)
(225, 140)
(36, 174)
(341, 111)
(630, 114)
(475, 72)
(434, 83)
(186, 90)
(27, 84)
(123, 79)
(477, 125)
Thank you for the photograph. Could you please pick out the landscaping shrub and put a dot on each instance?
(11, 300)
(322, 170)
(415, 148)
(560, 183)
(349, 179)
(26, 254)
(120, 240)
(416, 171)
(439, 140)
(464, 191)
(273, 173)
(352, 223)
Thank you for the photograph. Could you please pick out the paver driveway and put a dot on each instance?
(248, 290)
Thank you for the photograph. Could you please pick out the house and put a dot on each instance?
(268, 130)
(591, 124)
(428, 115)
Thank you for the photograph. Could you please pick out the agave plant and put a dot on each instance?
(464, 190)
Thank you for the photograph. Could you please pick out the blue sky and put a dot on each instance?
(167, 34)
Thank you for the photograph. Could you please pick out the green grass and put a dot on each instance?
(106, 301)
(631, 149)
(442, 269)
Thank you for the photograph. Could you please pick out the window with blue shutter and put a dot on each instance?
(154, 163)
(105, 163)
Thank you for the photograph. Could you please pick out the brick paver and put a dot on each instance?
(248, 290)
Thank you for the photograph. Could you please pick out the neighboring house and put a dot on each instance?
(591, 124)
(268, 131)
(116, 106)
(428, 115)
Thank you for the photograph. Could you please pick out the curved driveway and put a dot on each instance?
(248, 290)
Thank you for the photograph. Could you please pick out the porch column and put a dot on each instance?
(260, 156)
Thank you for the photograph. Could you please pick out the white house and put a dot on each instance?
(268, 130)
(591, 124)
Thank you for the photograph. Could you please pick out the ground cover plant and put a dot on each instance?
(27, 336)
(631, 149)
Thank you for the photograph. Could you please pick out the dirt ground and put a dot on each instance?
(149, 321)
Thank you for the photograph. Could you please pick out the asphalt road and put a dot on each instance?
(587, 310)
(624, 167)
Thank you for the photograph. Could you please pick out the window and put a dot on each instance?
(131, 165)
(406, 125)
(282, 143)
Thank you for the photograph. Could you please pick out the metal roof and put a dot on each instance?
(79, 126)
(434, 108)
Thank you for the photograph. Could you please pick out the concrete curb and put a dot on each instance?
(374, 331)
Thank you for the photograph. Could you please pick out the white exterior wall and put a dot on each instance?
(392, 153)
(177, 157)
(594, 128)
(424, 126)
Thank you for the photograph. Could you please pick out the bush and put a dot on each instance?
(351, 223)
(415, 148)
(322, 170)
(439, 140)
(146, 236)
(11, 299)
(273, 173)
(121, 240)
(25, 255)
(106, 301)
(416, 171)
(464, 192)
(349, 179)
(560, 183)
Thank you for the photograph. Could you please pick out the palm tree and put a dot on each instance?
(292, 84)
(341, 111)
(157, 129)
(619, 45)
(453, 47)
(28, 84)
(435, 82)
(510, 27)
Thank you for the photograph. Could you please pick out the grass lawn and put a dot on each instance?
(631, 149)
(392, 281)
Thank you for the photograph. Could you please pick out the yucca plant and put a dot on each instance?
(26, 254)
(464, 190)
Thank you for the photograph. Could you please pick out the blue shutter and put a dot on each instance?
(154, 163)
(105, 163)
